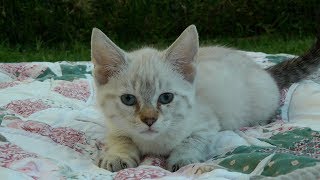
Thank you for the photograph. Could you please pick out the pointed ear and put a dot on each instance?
(182, 53)
(108, 58)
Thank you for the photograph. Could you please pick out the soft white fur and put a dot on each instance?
(228, 91)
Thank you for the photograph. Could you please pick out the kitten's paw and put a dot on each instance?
(116, 162)
(178, 161)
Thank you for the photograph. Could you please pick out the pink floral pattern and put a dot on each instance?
(267, 131)
(283, 94)
(283, 129)
(13, 69)
(7, 84)
(68, 137)
(26, 107)
(77, 89)
(61, 135)
(10, 153)
(154, 161)
(22, 71)
(140, 173)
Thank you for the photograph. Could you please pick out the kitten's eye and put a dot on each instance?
(128, 99)
(165, 98)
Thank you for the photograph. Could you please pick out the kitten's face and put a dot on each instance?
(145, 93)
(147, 98)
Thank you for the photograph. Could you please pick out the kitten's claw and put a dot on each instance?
(175, 168)
(116, 162)
(124, 165)
(175, 164)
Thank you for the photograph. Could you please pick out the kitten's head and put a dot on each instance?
(145, 93)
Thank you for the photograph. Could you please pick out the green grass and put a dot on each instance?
(269, 44)
(81, 52)
(77, 52)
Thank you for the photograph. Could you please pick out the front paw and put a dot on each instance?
(175, 162)
(117, 161)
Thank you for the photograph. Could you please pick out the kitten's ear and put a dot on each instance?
(108, 58)
(182, 53)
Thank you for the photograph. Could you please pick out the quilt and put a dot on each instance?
(50, 128)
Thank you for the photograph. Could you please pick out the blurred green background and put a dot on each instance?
(56, 30)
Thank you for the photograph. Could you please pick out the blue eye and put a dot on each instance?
(128, 99)
(165, 98)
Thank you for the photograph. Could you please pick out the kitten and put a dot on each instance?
(172, 102)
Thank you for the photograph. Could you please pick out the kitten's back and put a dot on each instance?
(234, 87)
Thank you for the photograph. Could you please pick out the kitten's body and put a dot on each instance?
(214, 89)
(235, 88)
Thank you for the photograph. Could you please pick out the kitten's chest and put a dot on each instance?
(162, 145)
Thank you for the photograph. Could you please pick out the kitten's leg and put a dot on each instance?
(121, 153)
(192, 150)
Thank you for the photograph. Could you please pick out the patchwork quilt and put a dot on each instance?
(50, 129)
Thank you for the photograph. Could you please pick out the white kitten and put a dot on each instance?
(173, 102)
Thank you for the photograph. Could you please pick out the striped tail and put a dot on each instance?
(296, 69)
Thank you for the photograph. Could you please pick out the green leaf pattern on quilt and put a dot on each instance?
(47, 74)
(293, 150)
(69, 73)
(276, 59)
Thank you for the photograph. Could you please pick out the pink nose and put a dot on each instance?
(149, 121)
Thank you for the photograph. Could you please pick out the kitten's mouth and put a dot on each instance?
(149, 131)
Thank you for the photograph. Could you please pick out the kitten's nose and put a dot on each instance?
(148, 115)
(149, 121)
